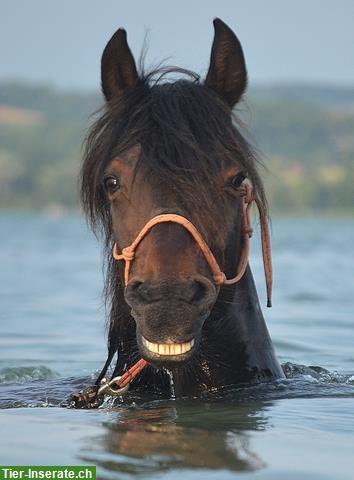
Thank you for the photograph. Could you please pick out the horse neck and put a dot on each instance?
(238, 306)
(235, 347)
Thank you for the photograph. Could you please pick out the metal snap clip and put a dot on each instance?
(106, 387)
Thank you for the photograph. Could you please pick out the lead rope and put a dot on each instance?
(93, 396)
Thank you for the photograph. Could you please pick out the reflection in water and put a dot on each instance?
(191, 434)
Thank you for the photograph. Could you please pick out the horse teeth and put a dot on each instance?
(168, 348)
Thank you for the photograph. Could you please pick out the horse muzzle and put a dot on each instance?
(169, 316)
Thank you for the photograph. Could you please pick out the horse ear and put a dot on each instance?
(227, 73)
(118, 70)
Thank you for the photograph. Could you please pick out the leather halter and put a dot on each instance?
(246, 193)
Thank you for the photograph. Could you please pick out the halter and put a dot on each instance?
(246, 192)
(93, 396)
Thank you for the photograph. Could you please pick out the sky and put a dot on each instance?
(285, 41)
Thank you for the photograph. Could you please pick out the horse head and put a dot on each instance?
(165, 149)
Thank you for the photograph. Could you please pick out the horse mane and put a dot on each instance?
(182, 126)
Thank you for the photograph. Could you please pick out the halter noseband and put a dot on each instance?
(246, 192)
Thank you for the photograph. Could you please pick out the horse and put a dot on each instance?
(168, 179)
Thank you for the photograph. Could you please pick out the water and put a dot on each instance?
(52, 343)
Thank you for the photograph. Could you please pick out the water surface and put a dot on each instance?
(52, 343)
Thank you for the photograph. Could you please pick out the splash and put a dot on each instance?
(316, 374)
(172, 385)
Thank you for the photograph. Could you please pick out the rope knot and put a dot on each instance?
(219, 278)
(128, 254)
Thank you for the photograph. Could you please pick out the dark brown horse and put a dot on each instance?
(173, 147)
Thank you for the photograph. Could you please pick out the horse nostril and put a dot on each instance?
(202, 291)
(198, 292)
(132, 292)
(143, 292)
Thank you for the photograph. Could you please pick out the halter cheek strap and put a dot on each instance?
(128, 253)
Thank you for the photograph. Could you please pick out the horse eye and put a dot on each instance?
(238, 179)
(111, 184)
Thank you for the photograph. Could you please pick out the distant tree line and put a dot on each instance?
(305, 136)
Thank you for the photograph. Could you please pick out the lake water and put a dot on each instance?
(52, 340)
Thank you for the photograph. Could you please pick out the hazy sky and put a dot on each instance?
(284, 40)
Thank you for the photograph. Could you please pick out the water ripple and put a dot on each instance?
(302, 382)
(26, 374)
